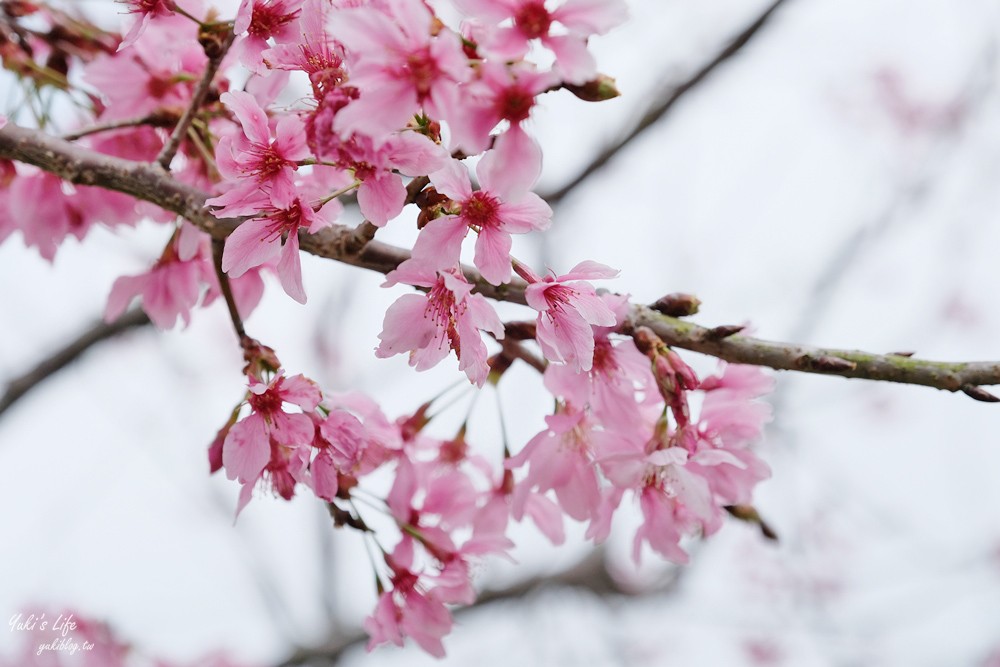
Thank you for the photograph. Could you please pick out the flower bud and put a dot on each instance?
(596, 90)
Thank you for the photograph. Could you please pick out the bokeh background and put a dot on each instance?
(834, 181)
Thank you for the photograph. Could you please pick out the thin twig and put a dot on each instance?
(80, 165)
(20, 386)
(200, 92)
(218, 247)
(665, 101)
(153, 120)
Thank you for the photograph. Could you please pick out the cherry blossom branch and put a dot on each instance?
(80, 165)
(666, 99)
(216, 52)
(20, 386)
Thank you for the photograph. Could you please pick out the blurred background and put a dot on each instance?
(830, 177)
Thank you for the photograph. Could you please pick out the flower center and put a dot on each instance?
(533, 19)
(514, 104)
(480, 210)
(269, 18)
(422, 71)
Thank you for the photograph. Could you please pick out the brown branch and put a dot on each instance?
(20, 386)
(159, 119)
(217, 52)
(666, 99)
(83, 166)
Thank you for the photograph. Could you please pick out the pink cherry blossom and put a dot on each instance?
(169, 290)
(448, 317)
(259, 240)
(382, 195)
(314, 52)
(145, 11)
(258, 21)
(567, 309)
(501, 207)
(500, 92)
(253, 161)
(250, 446)
(533, 19)
(408, 609)
(560, 459)
(46, 215)
(400, 65)
(609, 388)
(157, 73)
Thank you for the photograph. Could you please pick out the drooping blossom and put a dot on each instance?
(448, 317)
(253, 160)
(259, 241)
(408, 608)
(536, 20)
(270, 436)
(401, 62)
(561, 459)
(256, 22)
(46, 215)
(342, 443)
(611, 388)
(502, 206)
(171, 288)
(567, 308)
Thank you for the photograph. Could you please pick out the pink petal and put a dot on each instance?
(381, 198)
(440, 243)
(452, 180)
(512, 168)
(290, 269)
(573, 61)
(591, 17)
(301, 391)
(246, 449)
(248, 112)
(529, 214)
(493, 255)
(248, 246)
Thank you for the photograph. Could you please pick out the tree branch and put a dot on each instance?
(197, 98)
(83, 166)
(665, 101)
(20, 386)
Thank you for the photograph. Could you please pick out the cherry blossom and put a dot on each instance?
(449, 317)
(254, 161)
(399, 63)
(260, 20)
(270, 438)
(533, 19)
(501, 207)
(567, 308)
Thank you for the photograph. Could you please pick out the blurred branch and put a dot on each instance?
(665, 101)
(18, 387)
(80, 165)
(216, 46)
(590, 574)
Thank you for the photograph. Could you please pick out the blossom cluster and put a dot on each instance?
(396, 99)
